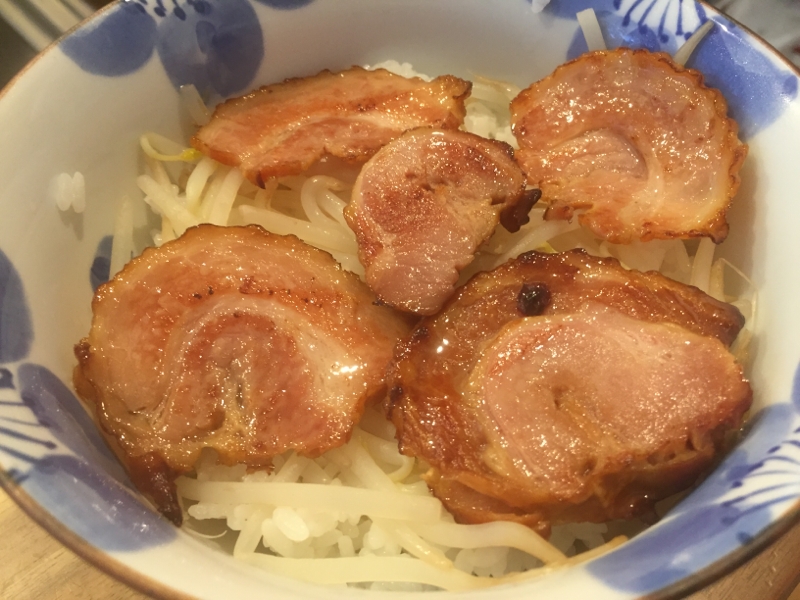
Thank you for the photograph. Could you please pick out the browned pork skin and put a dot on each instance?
(632, 143)
(234, 339)
(282, 129)
(423, 204)
(562, 388)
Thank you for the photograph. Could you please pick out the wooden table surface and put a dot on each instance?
(34, 566)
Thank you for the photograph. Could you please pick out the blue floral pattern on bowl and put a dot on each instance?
(727, 511)
(219, 58)
(226, 49)
(16, 333)
(51, 449)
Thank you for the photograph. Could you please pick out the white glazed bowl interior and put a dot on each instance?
(81, 106)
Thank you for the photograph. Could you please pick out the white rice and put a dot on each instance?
(69, 192)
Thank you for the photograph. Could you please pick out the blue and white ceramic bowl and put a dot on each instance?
(81, 107)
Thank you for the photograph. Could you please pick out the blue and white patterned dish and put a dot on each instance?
(777, 21)
(81, 107)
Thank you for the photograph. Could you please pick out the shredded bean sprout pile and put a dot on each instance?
(361, 514)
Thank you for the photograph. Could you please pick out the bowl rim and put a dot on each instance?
(144, 583)
(731, 561)
(92, 555)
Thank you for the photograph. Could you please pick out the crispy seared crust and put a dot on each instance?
(206, 343)
(283, 128)
(435, 422)
(422, 206)
(542, 136)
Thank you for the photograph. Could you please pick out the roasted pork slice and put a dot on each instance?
(282, 129)
(234, 339)
(634, 144)
(424, 203)
(561, 388)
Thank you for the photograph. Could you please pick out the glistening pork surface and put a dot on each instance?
(282, 129)
(234, 339)
(635, 145)
(424, 203)
(562, 388)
